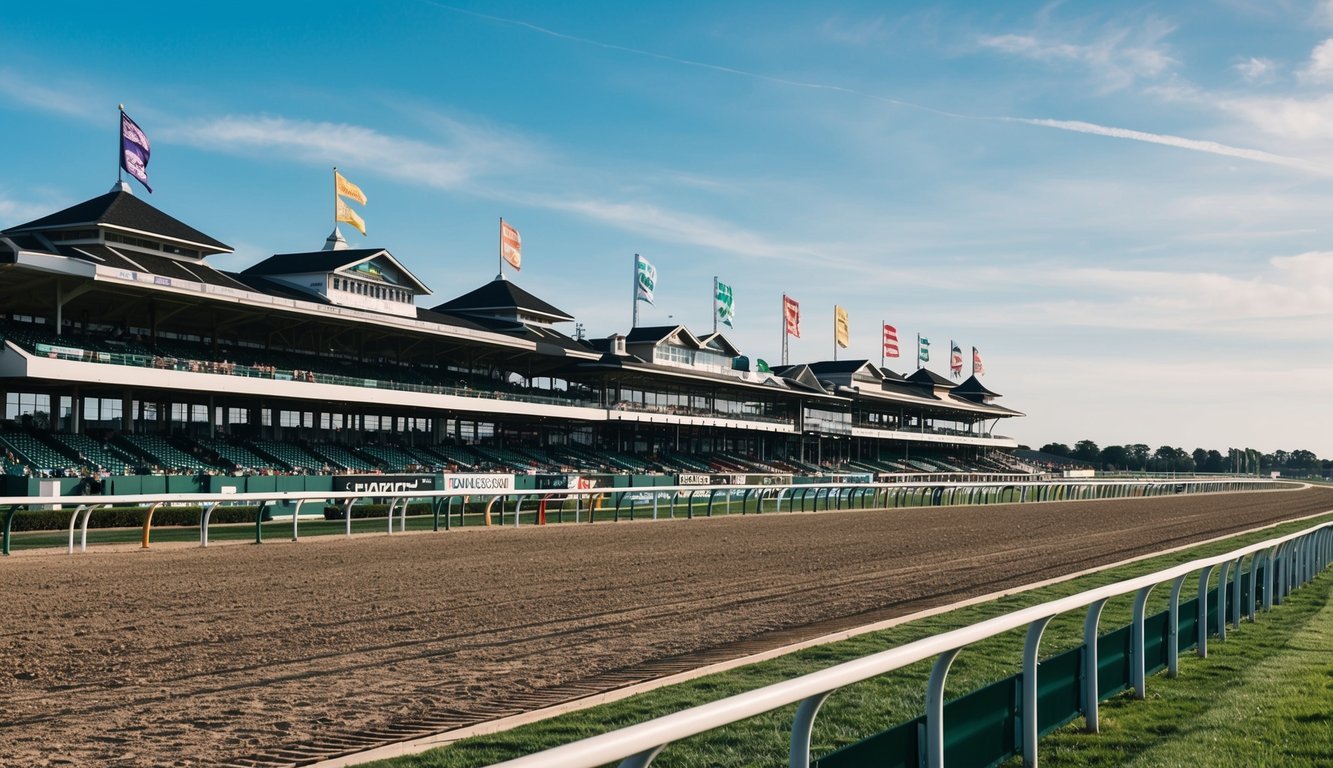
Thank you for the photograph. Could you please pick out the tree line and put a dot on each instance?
(1141, 458)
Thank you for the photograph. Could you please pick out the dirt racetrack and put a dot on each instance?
(186, 656)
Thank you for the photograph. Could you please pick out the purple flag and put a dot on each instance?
(134, 150)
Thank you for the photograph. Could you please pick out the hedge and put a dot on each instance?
(131, 517)
(359, 511)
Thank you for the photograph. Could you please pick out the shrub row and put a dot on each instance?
(335, 512)
(131, 517)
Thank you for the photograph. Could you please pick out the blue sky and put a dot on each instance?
(1124, 206)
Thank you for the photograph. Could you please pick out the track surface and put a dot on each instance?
(233, 654)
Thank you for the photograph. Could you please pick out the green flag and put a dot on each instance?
(725, 303)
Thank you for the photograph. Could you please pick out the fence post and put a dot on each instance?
(204, 514)
(9, 520)
(1030, 647)
(1090, 682)
(1204, 574)
(1136, 645)
(1223, 584)
(798, 754)
(935, 709)
(1173, 629)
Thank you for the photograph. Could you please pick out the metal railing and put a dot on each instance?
(1288, 561)
(629, 501)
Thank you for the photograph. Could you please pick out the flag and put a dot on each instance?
(345, 188)
(955, 360)
(923, 349)
(646, 279)
(345, 213)
(842, 333)
(761, 366)
(511, 245)
(977, 368)
(890, 341)
(134, 150)
(725, 305)
(791, 316)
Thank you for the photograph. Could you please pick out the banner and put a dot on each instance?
(791, 316)
(646, 280)
(479, 482)
(923, 349)
(890, 341)
(842, 332)
(383, 483)
(134, 150)
(955, 360)
(977, 368)
(511, 246)
(345, 213)
(344, 188)
(725, 302)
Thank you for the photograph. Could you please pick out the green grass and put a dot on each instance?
(1262, 698)
(861, 710)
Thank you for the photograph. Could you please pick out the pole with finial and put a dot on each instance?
(500, 272)
(120, 147)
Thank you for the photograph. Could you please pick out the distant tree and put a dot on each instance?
(1115, 457)
(1200, 457)
(1138, 453)
(1216, 462)
(1303, 460)
(1056, 449)
(1086, 450)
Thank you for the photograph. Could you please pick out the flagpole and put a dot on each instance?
(918, 350)
(335, 197)
(882, 323)
(501, 252)
(634, 295)
(714, 304)
(782, 316)
(835, 332)
(120, 148)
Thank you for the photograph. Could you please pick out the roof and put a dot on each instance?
(657, 333)
(719, 342)
(973, 386)
(328, 261)
(120, 209)
(501, 294)
(139, 261)
(927, 376)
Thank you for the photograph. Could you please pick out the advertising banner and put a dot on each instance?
(383, 483)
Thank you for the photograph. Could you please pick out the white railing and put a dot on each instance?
(797, 497)
(1299, 557)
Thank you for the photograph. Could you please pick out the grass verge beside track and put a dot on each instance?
(1272, 674)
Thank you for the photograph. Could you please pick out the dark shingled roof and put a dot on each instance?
(653, 333)
(122, 209)
(314, 261)
(825, 367)
(973, 386)
(927, 376)
(500, 294)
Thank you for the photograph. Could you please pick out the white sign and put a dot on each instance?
(479, 482)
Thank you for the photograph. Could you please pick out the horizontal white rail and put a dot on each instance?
(638, 744)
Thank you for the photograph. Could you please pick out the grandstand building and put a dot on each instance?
(125, 350)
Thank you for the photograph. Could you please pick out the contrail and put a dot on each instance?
(1076, 126)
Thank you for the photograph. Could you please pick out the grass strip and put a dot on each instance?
(866, 708)
(1262, 698)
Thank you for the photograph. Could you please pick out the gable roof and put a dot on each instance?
(329, 261)
(927, 376)
(658, 333)
(973, 386)
(501, 294)
(719, 342)
(846, 367)
(121, 210)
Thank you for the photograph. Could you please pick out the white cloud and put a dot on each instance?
(1289, 119)
(1257, 69)
(1294, 294)
(1117, 57)
(74, 102)
(1320, 67)
(330, 144)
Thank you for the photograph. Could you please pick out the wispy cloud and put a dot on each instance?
(1116, 57)
(1257, 69)
(407, 160)
(1319, 69)
(75, 101)
(1180, 142)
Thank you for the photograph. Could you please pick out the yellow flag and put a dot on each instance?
(345, 213)
(841, 331)
(347, 189)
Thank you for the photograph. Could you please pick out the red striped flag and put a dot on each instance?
(890, 341)
(791, 315)
(511, 246)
